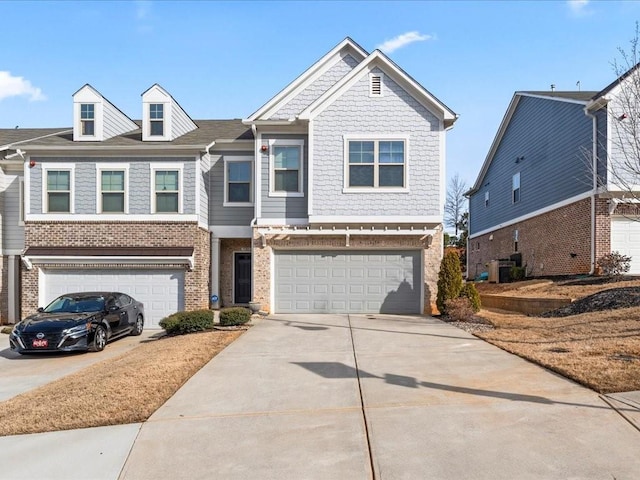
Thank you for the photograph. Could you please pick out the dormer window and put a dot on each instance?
(87, 119)
(156, 119)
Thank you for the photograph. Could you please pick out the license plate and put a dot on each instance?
(41, 343)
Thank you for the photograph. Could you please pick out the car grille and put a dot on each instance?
(53, 338)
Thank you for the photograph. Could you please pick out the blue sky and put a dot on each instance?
(225, 59)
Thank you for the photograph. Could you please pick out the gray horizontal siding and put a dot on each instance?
(555, 140)
(139, 182)
(12, 231)
(284, 207)
(203, 208)
(219, 214)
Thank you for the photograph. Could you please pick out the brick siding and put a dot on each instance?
(121, 234)
(432, 256)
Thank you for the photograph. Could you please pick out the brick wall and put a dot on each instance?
(227, 248)
(120, 234)
(262, 257)
(554, 243)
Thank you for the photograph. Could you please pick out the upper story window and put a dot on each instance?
(238, 181)
(286, 160)
(58, 185)
(156, 119)
(112, 188)
(376, 164)
(167, 189)
(515, 188)
(87, 119)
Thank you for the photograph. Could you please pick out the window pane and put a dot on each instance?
(391, 152)
(239, 192)
(361, 176)
(59, 202)
(157, 128)
(166, 180)
(87, 111)
(286, 181)
(391, 176)
(156, 111)
(166, 202)
(360, 152)
(88, 127)
(239, 171)
(59, 180)
(113, 202)
(113, 181)
(286, 157)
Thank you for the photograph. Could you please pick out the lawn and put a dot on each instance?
(599, 349)
(126, 389)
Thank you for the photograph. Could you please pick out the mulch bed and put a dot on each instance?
(611, 299)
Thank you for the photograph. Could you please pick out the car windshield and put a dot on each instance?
(69, 304)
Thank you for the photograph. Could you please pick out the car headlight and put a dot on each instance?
(78, 329)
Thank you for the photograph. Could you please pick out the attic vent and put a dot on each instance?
(375, 85)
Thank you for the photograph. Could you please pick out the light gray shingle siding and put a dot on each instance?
(555, 140)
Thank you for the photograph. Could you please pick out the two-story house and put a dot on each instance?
(555, 188)
(329, 198)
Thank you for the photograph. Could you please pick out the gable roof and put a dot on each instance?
(616, 82)
(379, 59)
(567, 96)
(308, 76)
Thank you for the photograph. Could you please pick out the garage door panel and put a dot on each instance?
(161, 291)
(625, 238)
(349, 282)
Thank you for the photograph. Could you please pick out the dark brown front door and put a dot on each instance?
(242, 281)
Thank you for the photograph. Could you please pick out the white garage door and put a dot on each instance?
(348, 282)
(161, 291)
(625, 238)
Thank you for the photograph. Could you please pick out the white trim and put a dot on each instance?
(528, 216)
(26, 174)
(21, 201)
(230, 231)
(281, 142)
(442, 135)
(13, 251)
(226, 159)
(12, 289)
(58, 167)
(120, 217)
(214, 274)
(157, 166)
(376, 138)
(385, 219)
(112, 167)
(282, 221)
(406, 232)
(42, 278)
(310, 155)
(257, 169)
(105, 260)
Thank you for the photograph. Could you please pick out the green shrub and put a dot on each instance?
(449, 280)
(234, 316)
(517, 273)
(181, 323)
(470, 291)
(459, 310)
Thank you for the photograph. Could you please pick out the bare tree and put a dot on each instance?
(456, 204)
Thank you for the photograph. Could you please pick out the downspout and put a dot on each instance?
(254, 220)
(594, 168)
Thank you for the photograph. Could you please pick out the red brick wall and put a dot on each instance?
(120, 234)
(546, 242)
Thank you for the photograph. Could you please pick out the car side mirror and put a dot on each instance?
(112, 308)
(40, 309)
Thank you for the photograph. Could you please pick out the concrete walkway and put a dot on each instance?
(354, 397)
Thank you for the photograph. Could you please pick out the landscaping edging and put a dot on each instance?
(526, 305)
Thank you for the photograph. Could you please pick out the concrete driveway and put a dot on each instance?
(20, 373)
(384, 397)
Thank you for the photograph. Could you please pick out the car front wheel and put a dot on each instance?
(137, 328)
(99, 339)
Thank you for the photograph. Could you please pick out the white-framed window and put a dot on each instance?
(87, 119)
(238, 181)
(486, 199)
(376, 81)
(376, 164)
(156, 119)
(286, 163)
(166, 190)
(58, 188)
(515, 188)
(112, 188)
(21, 198)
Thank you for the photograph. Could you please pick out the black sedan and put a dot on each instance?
(78, 321)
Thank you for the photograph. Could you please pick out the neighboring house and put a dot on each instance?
(329, 198)
(552, 189)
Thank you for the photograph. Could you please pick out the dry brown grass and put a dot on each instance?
(551, 289)
(599, 349)
(127, 389)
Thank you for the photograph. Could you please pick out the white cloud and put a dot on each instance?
(11, 86)
(402, 40)
(579, 7)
